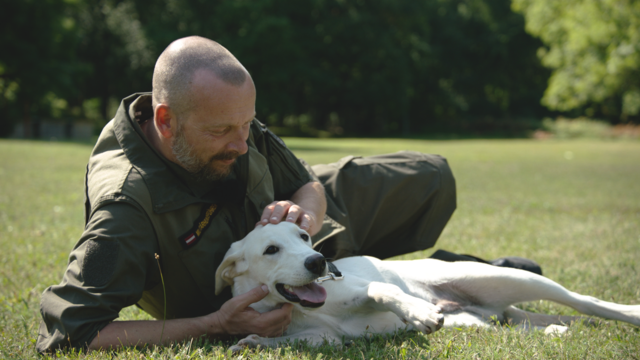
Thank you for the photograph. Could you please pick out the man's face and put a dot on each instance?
(214, 133)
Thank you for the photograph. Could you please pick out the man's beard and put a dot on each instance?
(200, 168)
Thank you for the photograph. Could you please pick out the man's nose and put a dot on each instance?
(239, 142)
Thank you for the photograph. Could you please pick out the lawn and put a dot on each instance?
(573, 206)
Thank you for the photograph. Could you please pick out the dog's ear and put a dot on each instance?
(232, 265)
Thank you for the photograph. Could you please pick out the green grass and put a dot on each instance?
(574, 206)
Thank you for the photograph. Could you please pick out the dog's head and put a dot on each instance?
(279, 256)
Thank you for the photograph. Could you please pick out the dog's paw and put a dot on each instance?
(235, 349)
(424, 317)
(556, 330)
(251, 341)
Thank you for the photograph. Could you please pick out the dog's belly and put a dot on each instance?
(415, 277)
(369, 268)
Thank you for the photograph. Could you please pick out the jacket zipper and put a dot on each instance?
(243, 220)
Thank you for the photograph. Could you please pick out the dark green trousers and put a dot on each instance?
(390, 204)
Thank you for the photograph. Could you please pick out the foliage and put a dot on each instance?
(585, 128)
(113, 42)
(343, 66)
(37, 64)
(577, 216)
(337, 67)
(563, 128)
(626, 131)
(593, 47)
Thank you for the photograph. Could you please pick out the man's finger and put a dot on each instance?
(277, 320)
(266, 213)
(278, 212)
(284, 311)
(293, 214)
(250, 297)
(287, 308)
(305, 222)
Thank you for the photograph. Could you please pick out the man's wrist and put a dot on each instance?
(315, 225)
(213, 327)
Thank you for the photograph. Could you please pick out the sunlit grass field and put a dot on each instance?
(573, 206)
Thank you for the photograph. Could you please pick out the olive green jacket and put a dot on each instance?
(139, 205)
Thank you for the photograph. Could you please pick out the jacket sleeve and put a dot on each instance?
(288, 172)
(108, 270)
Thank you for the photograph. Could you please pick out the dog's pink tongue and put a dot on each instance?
(311, 292)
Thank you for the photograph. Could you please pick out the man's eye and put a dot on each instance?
(271, 250)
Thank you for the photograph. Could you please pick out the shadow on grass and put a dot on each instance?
(369, 346)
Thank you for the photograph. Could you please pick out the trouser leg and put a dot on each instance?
(515, 262)
(390, 204)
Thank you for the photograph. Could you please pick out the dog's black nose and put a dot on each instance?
(316, 264)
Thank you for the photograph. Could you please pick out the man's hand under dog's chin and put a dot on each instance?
(236, 317)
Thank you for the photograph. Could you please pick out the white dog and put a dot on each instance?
(380, 297)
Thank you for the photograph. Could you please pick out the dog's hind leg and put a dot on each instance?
(498, 288)
(465, 318)
(516, 318)
(528, 320)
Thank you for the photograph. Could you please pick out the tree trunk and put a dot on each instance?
(26, 119)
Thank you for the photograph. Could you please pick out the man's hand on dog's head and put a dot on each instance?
(288, 211)
(236, 317)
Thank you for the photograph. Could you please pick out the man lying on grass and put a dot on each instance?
(181, 173)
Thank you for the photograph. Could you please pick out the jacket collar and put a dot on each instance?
(171, 187)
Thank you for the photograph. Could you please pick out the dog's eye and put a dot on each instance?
(271, 250)
(304, 237)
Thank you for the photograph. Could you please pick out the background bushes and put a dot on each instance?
(331, 67)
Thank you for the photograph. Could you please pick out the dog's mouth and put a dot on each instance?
(310, 295)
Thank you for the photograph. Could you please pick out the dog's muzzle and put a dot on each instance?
(311, 294)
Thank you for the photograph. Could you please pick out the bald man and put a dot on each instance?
(181, 173)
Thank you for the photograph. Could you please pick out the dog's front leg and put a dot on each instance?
(423, 315)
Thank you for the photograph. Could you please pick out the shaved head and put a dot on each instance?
(174, 72)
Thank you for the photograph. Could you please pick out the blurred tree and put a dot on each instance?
(482, 67)
(37, 61)
(593, 47)
(69, 58)
(374, 67)
(369, 67)
(113, 42)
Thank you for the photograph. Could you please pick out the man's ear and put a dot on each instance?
(165, 121)
(232, 265)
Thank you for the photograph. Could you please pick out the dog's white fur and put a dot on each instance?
(380, 297)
